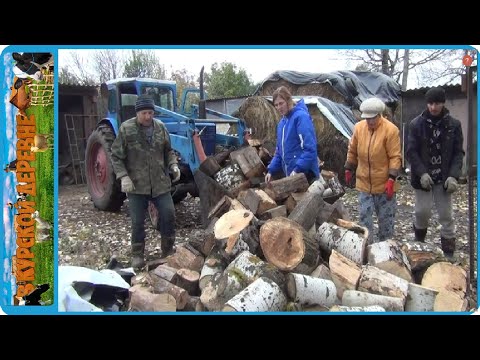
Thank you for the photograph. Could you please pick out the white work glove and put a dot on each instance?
(127, 184)
(450, 185)
(293, 173)
(175, 172)
(268, 178)
(426, 182)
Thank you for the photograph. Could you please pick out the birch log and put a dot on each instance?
(420, 298)
(213, 264)
(261, 295)
(378, 281)
(421, 255)
(307, 290)
(361, 298)
(389, 256)
(348, 243)
(371, 308)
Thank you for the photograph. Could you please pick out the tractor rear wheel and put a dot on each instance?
(103, 187)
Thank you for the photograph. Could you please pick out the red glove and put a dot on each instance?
(348, 177)
(389, 188)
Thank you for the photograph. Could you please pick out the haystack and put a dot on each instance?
(324, 90)
(260, 115)
(270, 86)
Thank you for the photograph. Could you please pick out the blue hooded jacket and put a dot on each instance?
(296, 148)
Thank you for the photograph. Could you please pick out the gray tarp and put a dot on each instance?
(354, 86)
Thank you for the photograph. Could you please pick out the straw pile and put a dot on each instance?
(270, 86)
(260, 115)
(324, 90)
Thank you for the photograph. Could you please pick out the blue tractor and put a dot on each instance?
(193, 136)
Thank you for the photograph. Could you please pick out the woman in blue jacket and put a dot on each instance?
(296, 150)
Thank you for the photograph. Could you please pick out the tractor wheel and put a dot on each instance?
(103, 187)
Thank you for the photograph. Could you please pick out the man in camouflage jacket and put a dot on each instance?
(141, 156)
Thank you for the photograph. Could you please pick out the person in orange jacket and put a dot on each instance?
(374, 155)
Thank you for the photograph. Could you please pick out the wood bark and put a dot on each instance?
(378, 281)
(280, 189)
(343, 308)
(308, 290)
(249, 161)
(186, 257)
(261, 295)
(306, 210)
(213, 264)
(389, 256)
(420, 298)
(230, 177)
(161, 286)
(142, 300)
(361, 298)
(421, 255)
(288, 246)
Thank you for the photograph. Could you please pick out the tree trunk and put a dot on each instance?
(360, 298)
(261, 295)
(389, 256)
(142, 300)
(288, 246)
(307, 290)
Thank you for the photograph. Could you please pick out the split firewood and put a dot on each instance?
(194, 304)
(165, 272)
(256, 200)
(420, 298)
(308, 290)
(230, 177)
(347, 242)
(345, 273)
(280, 189)
(378, 281)
(205, 242)
(210, 166)
(187, 279)
(361, 298)
(288, 246)
(220, 208)
(306, 210)
(293, 199)
(261, 295)
(213, 264)
(421, 255)
(249, 161)
(186, 257)
(255, 142)
(230, 225)
(371, 308)
(322, 272)
(142, 300)
(389, 256)
(161, 286)
(274, 212)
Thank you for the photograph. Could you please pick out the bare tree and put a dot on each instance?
(78, 72)
(430, 65)
(108, 64)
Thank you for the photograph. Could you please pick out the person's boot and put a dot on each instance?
(167, 245)
(420, 234)
(448, 246)
(138, 260)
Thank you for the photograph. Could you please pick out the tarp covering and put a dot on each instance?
(354, 86)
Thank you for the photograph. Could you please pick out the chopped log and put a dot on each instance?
(344, 272)
(317, 187)
(256, 200)
(336, 186)
(421, 254)
(288, 246)
(389, 256)
(261, 295)
(143, 300)
(223, 156)
(324, 213)
(264, 155)
(210, 166)
(230, 225)
(161, 286)
(230, 177)
(348, 243)
(340, 211)
(322, 272)
(378, 281)
(236, 205)
(420, 298)
(185, 257)
(204, 243)
(308, 290)
(306, 210)
(221, 207)
(280, 189)
(194, 304)
(361, 298)
(293, 199)
(213, 264)
(187, 279)
(165, 272)
(211, 298)
(446, 276)
(254, 142)
(274, 212)
(342, 308)
(447, 301)
(249, 161)
(210, 194)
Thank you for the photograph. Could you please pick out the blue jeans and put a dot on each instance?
(385, 210)
(138, 205)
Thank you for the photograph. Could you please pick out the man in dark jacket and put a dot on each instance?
(435, 153)
(142, 157)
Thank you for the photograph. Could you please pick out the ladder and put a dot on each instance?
(77, 148)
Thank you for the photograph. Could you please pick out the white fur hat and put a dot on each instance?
(372, 107)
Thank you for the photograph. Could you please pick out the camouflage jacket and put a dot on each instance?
(146, 164)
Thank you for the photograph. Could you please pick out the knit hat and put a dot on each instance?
(371, 108)
(435, 95)
(144, 102)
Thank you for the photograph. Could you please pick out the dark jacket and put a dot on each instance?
(451, 147)
(296, 143)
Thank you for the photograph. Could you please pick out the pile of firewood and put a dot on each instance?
(290, 246)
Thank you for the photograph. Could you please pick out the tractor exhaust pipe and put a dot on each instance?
(202, 113)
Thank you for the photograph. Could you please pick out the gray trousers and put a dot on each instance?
(424, 201)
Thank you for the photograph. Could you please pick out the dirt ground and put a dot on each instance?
(89, 237)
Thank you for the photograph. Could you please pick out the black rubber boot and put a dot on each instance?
(448, 246)
(420, 234)
(167, 245)
(138, 260)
